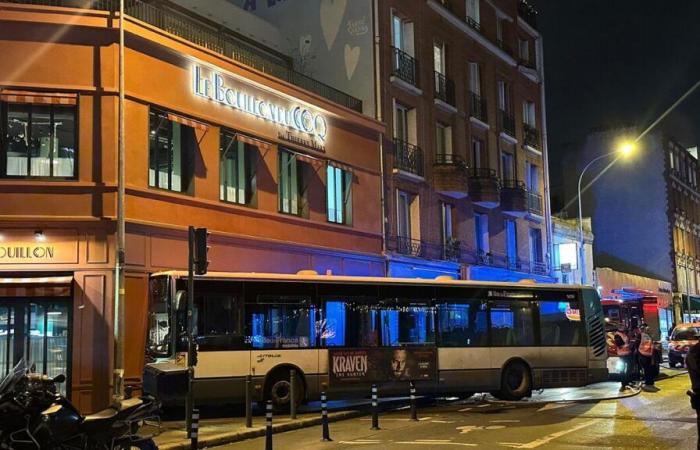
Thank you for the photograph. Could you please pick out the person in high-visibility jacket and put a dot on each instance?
(646, 358)
(624, 352)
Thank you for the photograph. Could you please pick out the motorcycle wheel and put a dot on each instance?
(146, 444)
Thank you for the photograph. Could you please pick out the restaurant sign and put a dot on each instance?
(26, 247)
(238, 95)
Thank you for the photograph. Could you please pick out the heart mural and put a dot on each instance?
(332, 12)
(352, 57)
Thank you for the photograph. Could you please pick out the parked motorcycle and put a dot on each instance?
(34, 416)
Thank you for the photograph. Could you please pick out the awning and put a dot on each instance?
(340, 165)
(188, 122)
(57, 286)
(314, 162)
(262, 145)
(42, 98)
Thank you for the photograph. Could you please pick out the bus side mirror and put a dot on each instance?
(180, 300)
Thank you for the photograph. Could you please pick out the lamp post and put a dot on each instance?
(623, 150)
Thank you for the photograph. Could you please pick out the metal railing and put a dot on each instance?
(451, 250)
(408, 246)
(477, 107)
(527, 62)
(404, 66)
(531, 136)
(507, 122)
(534, 203)
(444, 88)
(473, 23)
(408, 157)
(449, 159)
(539, 267)
(484, 258)
(215, 39)
(512, 184)
(482, 173)
(513, 263)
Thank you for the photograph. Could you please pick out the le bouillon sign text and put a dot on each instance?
(10, 253)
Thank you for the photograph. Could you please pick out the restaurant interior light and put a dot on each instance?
(39, 236)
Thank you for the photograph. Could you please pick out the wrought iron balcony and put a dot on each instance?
(539, 267)
(513, 196)
(484, 187)
(450, 175)
(534, 203)
(408, 246)
(513, 263)
(477, 107)
(404, 66)
(531, 136)
(217, 39)
(449, 158)
(444, 89)
(408, 157)
(484, 258)
(473, 24)
(506, 122)
(451, 250)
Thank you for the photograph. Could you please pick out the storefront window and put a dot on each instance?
(339, 195)
(39, 141)
(172, 145)
(237, 170)
(293, 184)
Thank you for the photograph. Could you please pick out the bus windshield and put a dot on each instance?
(159, 318)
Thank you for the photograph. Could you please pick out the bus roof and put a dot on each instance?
(312, 276)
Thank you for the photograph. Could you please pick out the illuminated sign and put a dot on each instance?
(226, 91)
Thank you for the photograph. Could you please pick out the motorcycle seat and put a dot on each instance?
(105, 414)
(128, 403)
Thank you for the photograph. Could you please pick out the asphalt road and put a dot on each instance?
(661, 420)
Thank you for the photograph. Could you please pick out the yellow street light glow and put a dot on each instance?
(627, 148)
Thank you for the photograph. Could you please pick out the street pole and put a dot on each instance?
(189, 403)
(120, 279)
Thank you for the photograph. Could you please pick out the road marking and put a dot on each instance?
(467, 428)
(483, 406)
(398, 419)
(550, 437)
(359, 442)
(460, 444)
(504, 421)
(443, 421)
(433, 440)
(549, 406)
(464, 409)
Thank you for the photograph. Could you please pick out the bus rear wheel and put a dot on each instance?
(516, 382)
(279, 390)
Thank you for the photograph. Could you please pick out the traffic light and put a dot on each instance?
(201, 249)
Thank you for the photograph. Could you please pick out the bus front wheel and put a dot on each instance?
(280, 392)
(516, 382)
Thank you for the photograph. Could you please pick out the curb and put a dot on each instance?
(520, 404)
(236, 436)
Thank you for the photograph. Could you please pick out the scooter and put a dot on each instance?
(35, 416)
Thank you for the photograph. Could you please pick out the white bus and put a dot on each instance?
(342, 334)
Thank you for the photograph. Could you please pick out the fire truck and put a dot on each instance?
(631, 308)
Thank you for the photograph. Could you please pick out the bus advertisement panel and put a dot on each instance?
(372, 365)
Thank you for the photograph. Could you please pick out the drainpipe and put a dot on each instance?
(378, 114)
(545, 159)
(119, 297)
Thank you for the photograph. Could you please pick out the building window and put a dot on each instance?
(524, 50)
(481, 227)
(408, 215)
(529, 113)
(536, 245)
(447, 219)
(402, 34)
(172, 146)
(503, 96)
(443, 143)
(475, 78)
(439, 57)
(477, 152)
(237, 177)
(404, 123)
(293, 185)
(507, 166)
(511, 241)
(532, 177)
(39, 141)
(473, 13)
(566, 254)
(339, 195)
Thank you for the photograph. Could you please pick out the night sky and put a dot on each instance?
(618, 62)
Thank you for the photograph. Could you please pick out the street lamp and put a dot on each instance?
(623, 149)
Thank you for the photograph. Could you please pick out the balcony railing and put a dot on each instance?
(534, 203)
(444, 89)
(408, 246)
(527, 62)
(512, 184)
(482, 173)
(507, 122)
(513, 263)
(404, 66)
(212, 38)
(408, 157)
(473, 23)
(539, 267)
(449, 159)
(477, 107)
(451, 250)
(484, 258)
(528, 13)
(531, 136)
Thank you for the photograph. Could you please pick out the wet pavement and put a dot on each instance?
(660, 420)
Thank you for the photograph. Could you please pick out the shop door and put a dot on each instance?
(39, 332)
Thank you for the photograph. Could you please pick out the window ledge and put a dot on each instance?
(508, 137)
(408, 175)
(408, 87)
(479, 123)
(445, 106)
(533, 150)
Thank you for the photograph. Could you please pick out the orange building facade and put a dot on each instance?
(283, 178)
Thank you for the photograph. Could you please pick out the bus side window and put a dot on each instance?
(349, 323)
(406, 323)
(511, 324)
(560, 323)
(462, 323)
(217, 319)
(281, 322)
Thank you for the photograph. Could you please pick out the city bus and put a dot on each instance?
(341, 334)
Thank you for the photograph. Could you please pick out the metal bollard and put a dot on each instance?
(324, 418)
(414, 413)
(375, 409)
(194, 429)
(292, 394)
(248, 402)
(268, 425)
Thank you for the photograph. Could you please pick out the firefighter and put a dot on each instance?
(645, 349)
(624, 352)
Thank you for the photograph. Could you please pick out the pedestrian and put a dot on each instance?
(693, 363)
(645, 351)
(624, 352)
